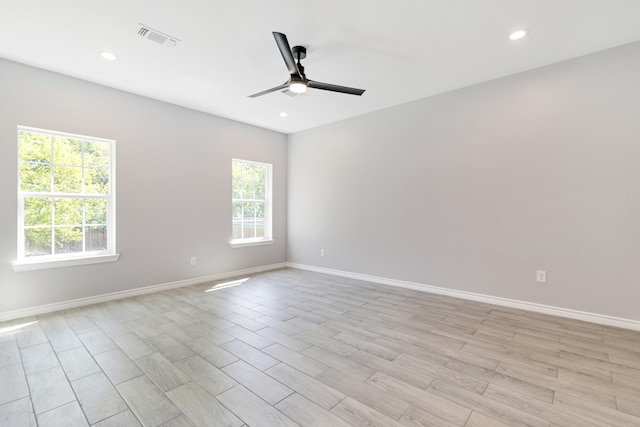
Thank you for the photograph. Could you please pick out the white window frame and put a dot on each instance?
(268, 238)
(24, 263)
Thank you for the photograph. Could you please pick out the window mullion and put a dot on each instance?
(53, 225)
(242, 220)
(83, 200)
(52, 198)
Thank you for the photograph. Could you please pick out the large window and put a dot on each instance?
(65, 196)
(251, 212)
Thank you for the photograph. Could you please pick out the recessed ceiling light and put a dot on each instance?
(284, 114)
(108, 56)
(517, 35)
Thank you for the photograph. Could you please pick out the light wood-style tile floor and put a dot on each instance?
(289, 347)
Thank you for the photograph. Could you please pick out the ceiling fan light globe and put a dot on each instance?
(298, 87)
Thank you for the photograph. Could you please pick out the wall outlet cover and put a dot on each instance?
(541, 276)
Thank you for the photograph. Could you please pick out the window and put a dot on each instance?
(65, 197)
(251, 201)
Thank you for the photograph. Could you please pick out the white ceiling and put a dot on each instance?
(398, 51)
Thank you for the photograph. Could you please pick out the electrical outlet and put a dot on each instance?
(193, 260)
(541, 276)
(321, 252)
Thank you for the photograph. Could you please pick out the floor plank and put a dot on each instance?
(13, 385)
(432, 407)
(358, 414)
(63, 416)
(77, 363)
(18, 413)
(297, 360)
(314, 390)
(307, 413)
(122, 419)
(200, 408)
(98, 397)
(162, 372)
(49, 389)
(147, 402)
(258, 382)
(259, 359)
(208, 376)
(365, 393)
(117, 366)
(253, 410)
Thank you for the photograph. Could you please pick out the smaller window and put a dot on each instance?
(251, 203)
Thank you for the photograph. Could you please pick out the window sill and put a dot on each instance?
(57, 263)
(248, 243)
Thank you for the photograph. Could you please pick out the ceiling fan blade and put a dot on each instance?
(334, 88)
(273, 89)
(285, 50)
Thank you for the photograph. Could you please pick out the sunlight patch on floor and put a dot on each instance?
(14, 328)
(227, 284)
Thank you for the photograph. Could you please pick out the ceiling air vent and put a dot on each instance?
(156, 36)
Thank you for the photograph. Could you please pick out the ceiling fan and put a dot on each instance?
(298, 82)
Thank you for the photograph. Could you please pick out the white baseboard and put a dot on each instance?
(506, 302)
(42, 309)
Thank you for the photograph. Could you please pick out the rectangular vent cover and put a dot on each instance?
(156, 36)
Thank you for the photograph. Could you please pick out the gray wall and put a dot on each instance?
(472, 190)
(173, 186)
(476, 189)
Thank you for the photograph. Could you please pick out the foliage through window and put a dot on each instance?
(65, 195)
(251, 211)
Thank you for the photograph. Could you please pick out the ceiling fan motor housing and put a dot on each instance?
(299, 52)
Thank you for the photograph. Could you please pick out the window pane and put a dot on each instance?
(34, 147)
(237, 229)
(246, 170)
(236, 210)
(260, 210)
(35, 176)
(259, 190)
(236, 169)
(248, 230)
(246, 190)
(249, 178)
(68, 211)
(236, 180)
(67, 151)
(37, 241)
(249, 211)
(259, 182)
(95, 238)
(67, 179)
(96, 181)
(236, 190)
(68, 239)
(260, 229)
(96, 154)
(257, 171)
(37, 211)
(95, 211)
